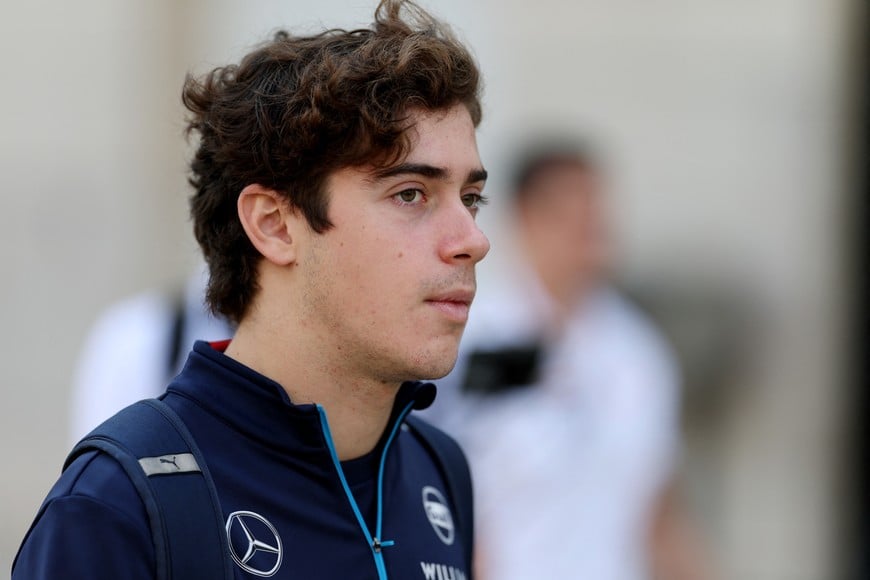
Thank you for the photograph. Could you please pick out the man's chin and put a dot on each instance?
(436, 367)
(437, 375)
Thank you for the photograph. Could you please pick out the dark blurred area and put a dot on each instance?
(855, 505)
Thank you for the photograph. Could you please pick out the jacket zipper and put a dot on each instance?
(376, 543)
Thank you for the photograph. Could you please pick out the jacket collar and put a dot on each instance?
(259, 407)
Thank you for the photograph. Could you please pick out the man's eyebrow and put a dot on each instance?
(425, 170)
(477, 175)
(421, 169)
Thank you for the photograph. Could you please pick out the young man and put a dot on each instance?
(337, 180)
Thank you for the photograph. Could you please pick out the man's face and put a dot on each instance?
(388, 287)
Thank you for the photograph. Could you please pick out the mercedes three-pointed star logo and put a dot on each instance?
(254, 543)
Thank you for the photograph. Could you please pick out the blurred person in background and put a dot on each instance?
(566, 398)
(136, 346)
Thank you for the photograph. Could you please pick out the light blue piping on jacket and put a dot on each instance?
(374, 544)
(379, 520)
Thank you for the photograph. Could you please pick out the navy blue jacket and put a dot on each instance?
(292, 510)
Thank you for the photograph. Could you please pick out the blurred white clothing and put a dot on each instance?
(131, 351)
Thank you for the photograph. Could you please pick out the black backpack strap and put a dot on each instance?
(175, 349)
(454, 468)
(159, 455)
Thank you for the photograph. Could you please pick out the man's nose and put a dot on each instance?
(463, 239)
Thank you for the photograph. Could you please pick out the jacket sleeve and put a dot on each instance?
(82, 534)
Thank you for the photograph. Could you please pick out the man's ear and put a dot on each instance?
(269, 221)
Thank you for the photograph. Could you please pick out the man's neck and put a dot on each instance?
(357, 409)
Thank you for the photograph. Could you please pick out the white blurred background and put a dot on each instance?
(728, 129)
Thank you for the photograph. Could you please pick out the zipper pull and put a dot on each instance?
(377, 545)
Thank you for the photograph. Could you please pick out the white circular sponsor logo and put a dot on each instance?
(438, 514)
(254, 543)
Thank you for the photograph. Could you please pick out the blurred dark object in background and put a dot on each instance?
(494, 371)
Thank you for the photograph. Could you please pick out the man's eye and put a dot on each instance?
(410, 195)
(473, 200)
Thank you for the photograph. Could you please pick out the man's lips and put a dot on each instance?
(453, 304)
(461, 295)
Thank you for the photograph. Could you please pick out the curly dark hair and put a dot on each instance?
(297, 109)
